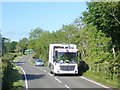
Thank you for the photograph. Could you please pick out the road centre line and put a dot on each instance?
(96, 83)
(68, 87)
(50, 74)
(26, 83)
(55, 78)
(30, 58)
(36, 67)
(44, 70)
(58, 80)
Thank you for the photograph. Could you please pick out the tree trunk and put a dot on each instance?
(113, 49)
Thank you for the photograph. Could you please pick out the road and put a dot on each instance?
(39, 77)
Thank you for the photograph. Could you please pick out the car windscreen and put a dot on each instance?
(38, 60)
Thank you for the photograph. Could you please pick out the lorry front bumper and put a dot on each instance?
(66, 72)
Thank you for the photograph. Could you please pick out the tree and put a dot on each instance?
(13, 46)
(106, 17)
(0, 45)
(22, 45)
(5, 45)
(35, 34)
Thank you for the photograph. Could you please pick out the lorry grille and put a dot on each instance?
(67, 68)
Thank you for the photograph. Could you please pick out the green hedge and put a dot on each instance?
(10, 74)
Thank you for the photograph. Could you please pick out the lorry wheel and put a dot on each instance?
(51, 72)
(54, 74)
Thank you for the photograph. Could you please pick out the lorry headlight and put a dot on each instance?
(76, 71)
(58, 71)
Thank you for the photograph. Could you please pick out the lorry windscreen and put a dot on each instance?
(71, 56)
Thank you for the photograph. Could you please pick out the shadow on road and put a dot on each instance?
(32, 77)
(19, 63)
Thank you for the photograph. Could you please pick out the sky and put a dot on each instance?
(19, 18)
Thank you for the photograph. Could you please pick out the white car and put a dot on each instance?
(39, 62)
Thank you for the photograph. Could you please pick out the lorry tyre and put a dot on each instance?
(51, 72)
(54, 74)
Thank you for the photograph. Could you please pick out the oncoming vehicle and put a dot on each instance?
(39, 62)
(63, 59)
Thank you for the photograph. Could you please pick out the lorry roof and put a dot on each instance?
(66, 50)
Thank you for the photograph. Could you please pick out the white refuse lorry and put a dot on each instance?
(63, 59)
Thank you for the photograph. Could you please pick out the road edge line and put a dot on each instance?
(96, 83)
(26, 83)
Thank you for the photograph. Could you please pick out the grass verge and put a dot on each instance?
(19, 84)
(101, 78)
(17, 58)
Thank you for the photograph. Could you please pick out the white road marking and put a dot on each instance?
(50, 74)
(30, 58)
(23, 60)
(96, 83)
(17, 60)
(44, 70)
(36, 67)
(58, 80)
(67, 86)
(26, 83)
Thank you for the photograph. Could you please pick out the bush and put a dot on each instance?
(15, 55)
(118, 67)
(35, 56)
(10, 75)
(7, 57)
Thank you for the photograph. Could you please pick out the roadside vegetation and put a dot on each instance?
(97, 35)
(102, 78)
(0, 74)
(11, 76)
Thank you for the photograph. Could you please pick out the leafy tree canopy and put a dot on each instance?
(106, 17)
